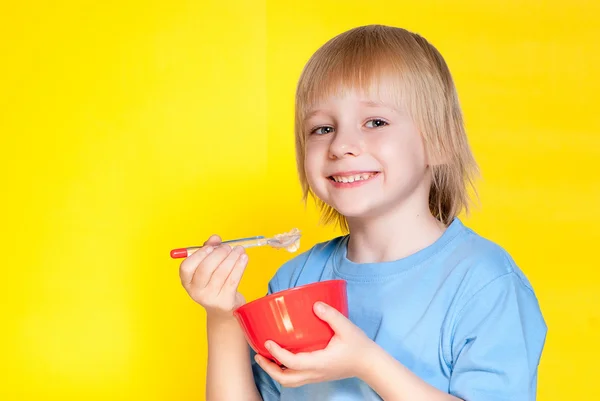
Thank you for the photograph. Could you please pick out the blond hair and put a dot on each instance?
(417, 76)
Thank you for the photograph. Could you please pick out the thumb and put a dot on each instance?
(336, 320)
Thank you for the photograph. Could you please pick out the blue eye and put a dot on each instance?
(322, 130)
(376, 123)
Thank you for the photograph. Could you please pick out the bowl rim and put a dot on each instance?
(289, 290)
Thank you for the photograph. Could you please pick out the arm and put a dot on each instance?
(394, 382)
(228, 357)
(211, 277)
(346, 356)
(498, 337)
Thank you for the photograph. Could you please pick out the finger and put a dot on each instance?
(210, 244)
(205, 270)
(219, 276)
(237, 272)
(187, 268)
(286, 377)
(214, 240)
(197, 257)
(299, 361)
(336, 320)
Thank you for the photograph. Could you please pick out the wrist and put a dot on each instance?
(220, 319)
(221, 328)
(370, 362)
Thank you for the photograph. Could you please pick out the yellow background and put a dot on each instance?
(132, 127)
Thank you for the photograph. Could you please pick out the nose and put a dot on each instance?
(346, 142)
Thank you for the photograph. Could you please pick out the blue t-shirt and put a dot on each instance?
(459, 314)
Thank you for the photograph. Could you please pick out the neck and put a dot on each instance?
(394, 235)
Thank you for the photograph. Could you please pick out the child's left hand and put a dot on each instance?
(339, 360)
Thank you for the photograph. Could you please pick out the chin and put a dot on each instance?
(353, 209)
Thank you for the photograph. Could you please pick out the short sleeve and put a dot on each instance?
(497, 343)
(266, 386)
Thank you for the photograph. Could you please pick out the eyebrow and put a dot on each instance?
(311, 114)
(368, 103)
(371, 103)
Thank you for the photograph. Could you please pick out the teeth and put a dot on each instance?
(352, 178)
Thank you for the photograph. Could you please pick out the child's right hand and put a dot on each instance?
(211, 276)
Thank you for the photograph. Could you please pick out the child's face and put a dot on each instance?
(365, 157)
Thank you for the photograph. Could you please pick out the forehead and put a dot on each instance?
(379, 95)
(375, 73)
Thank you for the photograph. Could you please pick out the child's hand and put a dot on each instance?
(339, 360)
(211, 276)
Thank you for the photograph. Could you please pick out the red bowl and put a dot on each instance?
(287, 317)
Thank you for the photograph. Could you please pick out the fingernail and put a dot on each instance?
(209, 249)
(319, 307)
(243, 257)
(268, 345)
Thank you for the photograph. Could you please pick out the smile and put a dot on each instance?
(351, 180)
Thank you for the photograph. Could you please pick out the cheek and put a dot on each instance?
(403, 152)
(312, 164)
